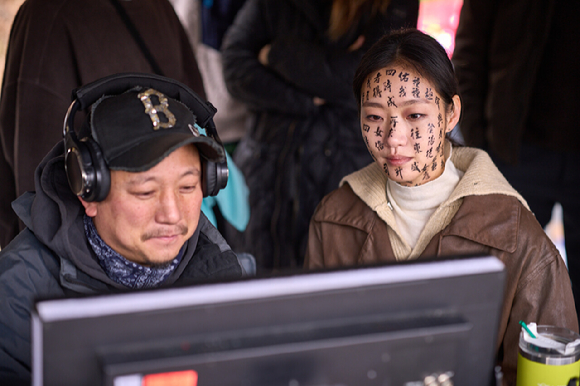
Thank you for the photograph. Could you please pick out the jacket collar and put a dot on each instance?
(481, 178)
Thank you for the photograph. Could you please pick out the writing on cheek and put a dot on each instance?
(415, 167)
(379, 132)
(430, 128)
(415, 133)
(431, 141)
(379, 145)
(434, 166)
(417, 147)
(386, 169)
(439, 120)
(437, 102)
(366, 128)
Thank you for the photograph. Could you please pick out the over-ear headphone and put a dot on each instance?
(87, 172)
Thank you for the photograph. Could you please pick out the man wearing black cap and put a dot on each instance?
(146, 231)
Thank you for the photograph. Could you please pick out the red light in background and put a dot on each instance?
(176, 378)
(440, 18)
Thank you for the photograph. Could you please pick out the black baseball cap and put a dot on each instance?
(139, 128)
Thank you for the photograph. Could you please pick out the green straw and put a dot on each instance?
(527, 329)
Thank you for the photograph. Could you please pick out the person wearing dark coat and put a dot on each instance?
(145, 231)
(58, 45)
(516, 62)
(292, 62)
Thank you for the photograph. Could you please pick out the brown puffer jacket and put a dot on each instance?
(484, 215)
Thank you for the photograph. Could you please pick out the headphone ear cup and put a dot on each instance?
(88, 175)
(101, 171)
(215, 177)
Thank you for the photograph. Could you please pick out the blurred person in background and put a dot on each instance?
(292, 62)
(517, 68)
(58, 45)
(206, 22)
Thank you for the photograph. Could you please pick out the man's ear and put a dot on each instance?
(90, 207)
(454, 114)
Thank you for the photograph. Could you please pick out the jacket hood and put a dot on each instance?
(54, 214)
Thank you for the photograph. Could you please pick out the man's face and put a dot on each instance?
(403, 122)
(148, 216)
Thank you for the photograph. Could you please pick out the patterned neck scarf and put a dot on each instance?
(123, 271)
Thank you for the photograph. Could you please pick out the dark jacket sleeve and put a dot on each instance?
(318, 70)
(245, 77)
(27, 269)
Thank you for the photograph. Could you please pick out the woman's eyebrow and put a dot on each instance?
(409, 102)
(372, 104)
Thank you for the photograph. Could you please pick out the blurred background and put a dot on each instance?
(438, 18)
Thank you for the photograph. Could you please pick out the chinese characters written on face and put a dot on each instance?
(404, 122)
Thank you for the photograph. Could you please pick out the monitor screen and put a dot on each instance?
(378, 325)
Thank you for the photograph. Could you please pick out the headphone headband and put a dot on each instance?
(86, 169)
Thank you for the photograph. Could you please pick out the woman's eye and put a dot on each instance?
(415, 116)
(373, 118)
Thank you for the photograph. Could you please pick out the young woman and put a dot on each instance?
(424, 197)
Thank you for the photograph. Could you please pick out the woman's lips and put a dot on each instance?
(398, 161)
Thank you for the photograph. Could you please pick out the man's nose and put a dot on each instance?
(169, 210)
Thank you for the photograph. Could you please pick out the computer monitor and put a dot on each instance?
(380, 325)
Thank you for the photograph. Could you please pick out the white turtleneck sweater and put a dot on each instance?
(413, 205)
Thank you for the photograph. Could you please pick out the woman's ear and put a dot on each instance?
(454, 114)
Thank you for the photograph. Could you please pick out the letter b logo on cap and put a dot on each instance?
(154, 110)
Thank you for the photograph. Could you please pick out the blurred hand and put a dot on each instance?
(357, 44)
(263, 55)
(318, 101)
